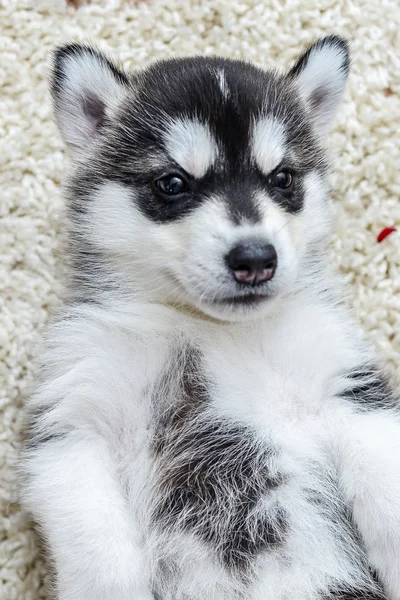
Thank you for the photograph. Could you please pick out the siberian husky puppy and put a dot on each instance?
(208, 423)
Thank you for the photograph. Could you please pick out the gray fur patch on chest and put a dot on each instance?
(215, 476)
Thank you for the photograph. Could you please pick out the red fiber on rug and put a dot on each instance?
(384, 233)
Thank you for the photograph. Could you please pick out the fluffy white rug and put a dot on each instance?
(366, 182)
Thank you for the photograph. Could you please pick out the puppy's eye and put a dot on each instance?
(171, 185)
(282, 179)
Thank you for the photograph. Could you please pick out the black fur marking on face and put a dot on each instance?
(83, 184)
(89, 266)
(214, 473)
(189, 89)
(292, 200)
(370, 390)
(239, 192)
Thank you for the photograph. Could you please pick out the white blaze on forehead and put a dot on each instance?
(268, 144)
(223, 85)
(190, 143)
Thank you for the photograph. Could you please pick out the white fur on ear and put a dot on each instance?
(86, 89)
(321, 74)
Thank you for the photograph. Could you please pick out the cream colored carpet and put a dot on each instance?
(32, 164)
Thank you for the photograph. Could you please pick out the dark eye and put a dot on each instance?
(282, 179)
(171, 185)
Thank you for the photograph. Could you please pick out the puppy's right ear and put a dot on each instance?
(86, 88)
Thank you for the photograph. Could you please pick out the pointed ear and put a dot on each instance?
(321, 75)
(86, 88)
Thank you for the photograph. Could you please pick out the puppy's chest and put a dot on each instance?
(231, 449)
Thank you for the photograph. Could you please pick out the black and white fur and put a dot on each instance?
(191, 437)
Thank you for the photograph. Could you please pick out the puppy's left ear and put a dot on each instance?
(321, 74)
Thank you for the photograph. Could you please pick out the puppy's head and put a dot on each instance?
(199, 181)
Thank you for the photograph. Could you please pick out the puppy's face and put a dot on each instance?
(200, 181)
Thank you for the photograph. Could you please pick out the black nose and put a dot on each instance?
(252, 263)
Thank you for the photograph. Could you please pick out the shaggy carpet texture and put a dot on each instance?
(366, 182)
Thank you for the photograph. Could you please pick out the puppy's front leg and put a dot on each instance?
(370, 476)
(72, 491)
